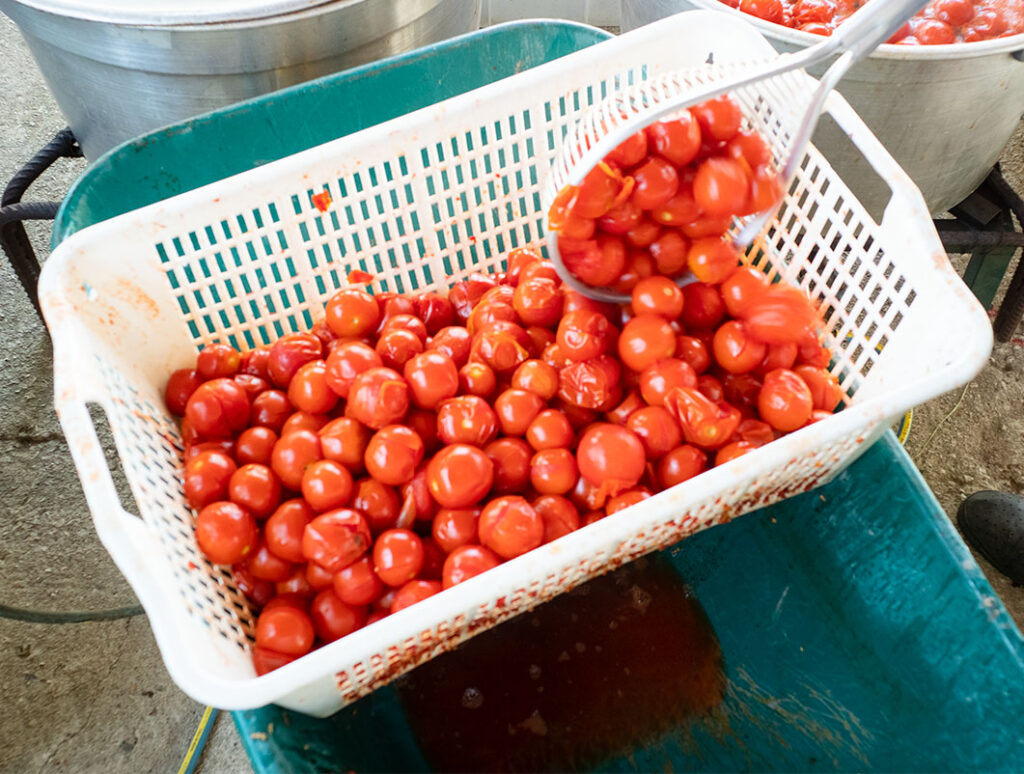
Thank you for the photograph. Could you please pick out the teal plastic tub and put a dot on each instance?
(845, 629)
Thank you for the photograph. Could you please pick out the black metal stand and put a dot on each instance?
(13, 211)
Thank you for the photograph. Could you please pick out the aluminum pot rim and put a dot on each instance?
(204, 14)
(890, 51)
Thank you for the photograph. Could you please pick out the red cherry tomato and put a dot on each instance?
(511, 459)
(285, 630)
(393, 454)
(256, 488)
(218, 409)
(825, 390)
(333, 618)
(206, 478)
(933, 32)
(378, 502)
(680, 209)
(284, 529)
(625, 500)
(179, 389)
(226, 532)
(268, 566)
(265, 660)
(344, 440)
(326, 485)
(622, 412)
(658, 296)
(645, 340)
(736, 350)
(702, 306)
(255, 362)
(412, 592)
(346, 361)
(610, 456)
(644, 234)
(289, 353)
(785, 401)
(550, 429)
(711, 387)
(630, 151)
(595, 262)
(742, 288)
(755, 432)
(657, 430)
(712, 259)
(378, 397)
(352, 312)
(292, 453)
(510, 526)
(720, 118)
(466, 419)
(435, 311)
(559, 515)
(454, 342)
(537, 377)
(621, 219)
(467, 561)
(432, 377)
(459, 476)
(553, 471)
(660, 379)
(669, 252)
(271, 409)
(397, 556)
(405, 322)
(303, 420)
(657, 181)
(357, 584)
(218, 360)
(336, 539)
(454, 527)
(516, 409)
(477, 379)
(538, 301)
(782, 314)
(258, 591)
(681, 464)
(397, 347)
(590, 384)
(721, 187)
(677, 139)
(255, 445)
(692, 351)
(598, 192)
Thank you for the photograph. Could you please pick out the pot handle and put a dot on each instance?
(1018, 55)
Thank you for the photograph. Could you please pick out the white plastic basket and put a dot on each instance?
(422, 201)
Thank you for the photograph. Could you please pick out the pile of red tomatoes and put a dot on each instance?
(408, 443)
(941, 21)
(662, 201)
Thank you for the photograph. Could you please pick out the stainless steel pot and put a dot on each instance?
(945, 113)
(118, 68)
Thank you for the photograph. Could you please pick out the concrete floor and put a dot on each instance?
(96, 696)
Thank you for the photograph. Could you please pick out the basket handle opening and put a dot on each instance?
(115, 465)
(870, 188)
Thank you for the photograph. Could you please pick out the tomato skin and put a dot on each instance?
(583, 334)
(733, 450)
(218, 409)
(226, 532)
(289, 353)
(378, 397)
(550, 429)
(352, 312)
(669, 252)
(553, 471)
(610, 456)
(256, 488)
(285, 630)
(645, 340)
(206, 478)
(750, 146)
(589, 384)
(378, 502)
(217, 361)
(255, 362)
(432, 377)
(625, 500)
(680, 209)
(785, 401)
(303, 420)
(346, 361)
(502, 345)
(704, 423)
(466, 419)
(657, 430)
(284, 529)
(692, 351)
(467, 561)
(516, 409)
(336, 539)
(621, 219)
(624, 410)
(510, 526)
(459, 476)
(255, 445)
(681, 464)
(412, 592)
(630, 151)
(292, 453)
(598, 192)
(736, 350)
(405, 322)
(658, 296)
(435, 310)
(180, 386)
(333, 618)
(326, 485)
(711, 387)
(657, 181)
(742, 288)
(658, 380)
(257, 591)
(754, 432)
(265, 660)
(393, 454)
(357, 584)
(559, 515)
(397, 556)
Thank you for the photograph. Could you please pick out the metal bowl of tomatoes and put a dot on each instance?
(944, 100)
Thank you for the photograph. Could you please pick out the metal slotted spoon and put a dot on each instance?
(773, 95)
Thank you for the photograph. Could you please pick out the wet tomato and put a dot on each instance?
(537, 377)
(180, 386)
(378, 397)
(357, 584)
(326, 485)
(255, 445)
(736, 350)
(477, 379)
(393, 454)
(510, 526)
(397, 556)
(284, 529)
(336, 539)
(550, 429)
(645, 340)
(785, 401)
(352, 312)
(681, 464)
(657, 430)
(677, 139)
(412, 592)
(660, 379)
(206, 478)
(467, 419)
(271, 409)
(292, 453)
(226, 532)
(610, 456)
(289, 353)
(285, 630)
(344, 440)
(454, 342)
(559, 515)
(218, 409)
(346, 361)
(256, 488)
(516, 409)
(333, 618)
(432, 378)
(511, 459)
(459, 476)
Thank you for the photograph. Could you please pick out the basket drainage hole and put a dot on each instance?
(114, 462)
